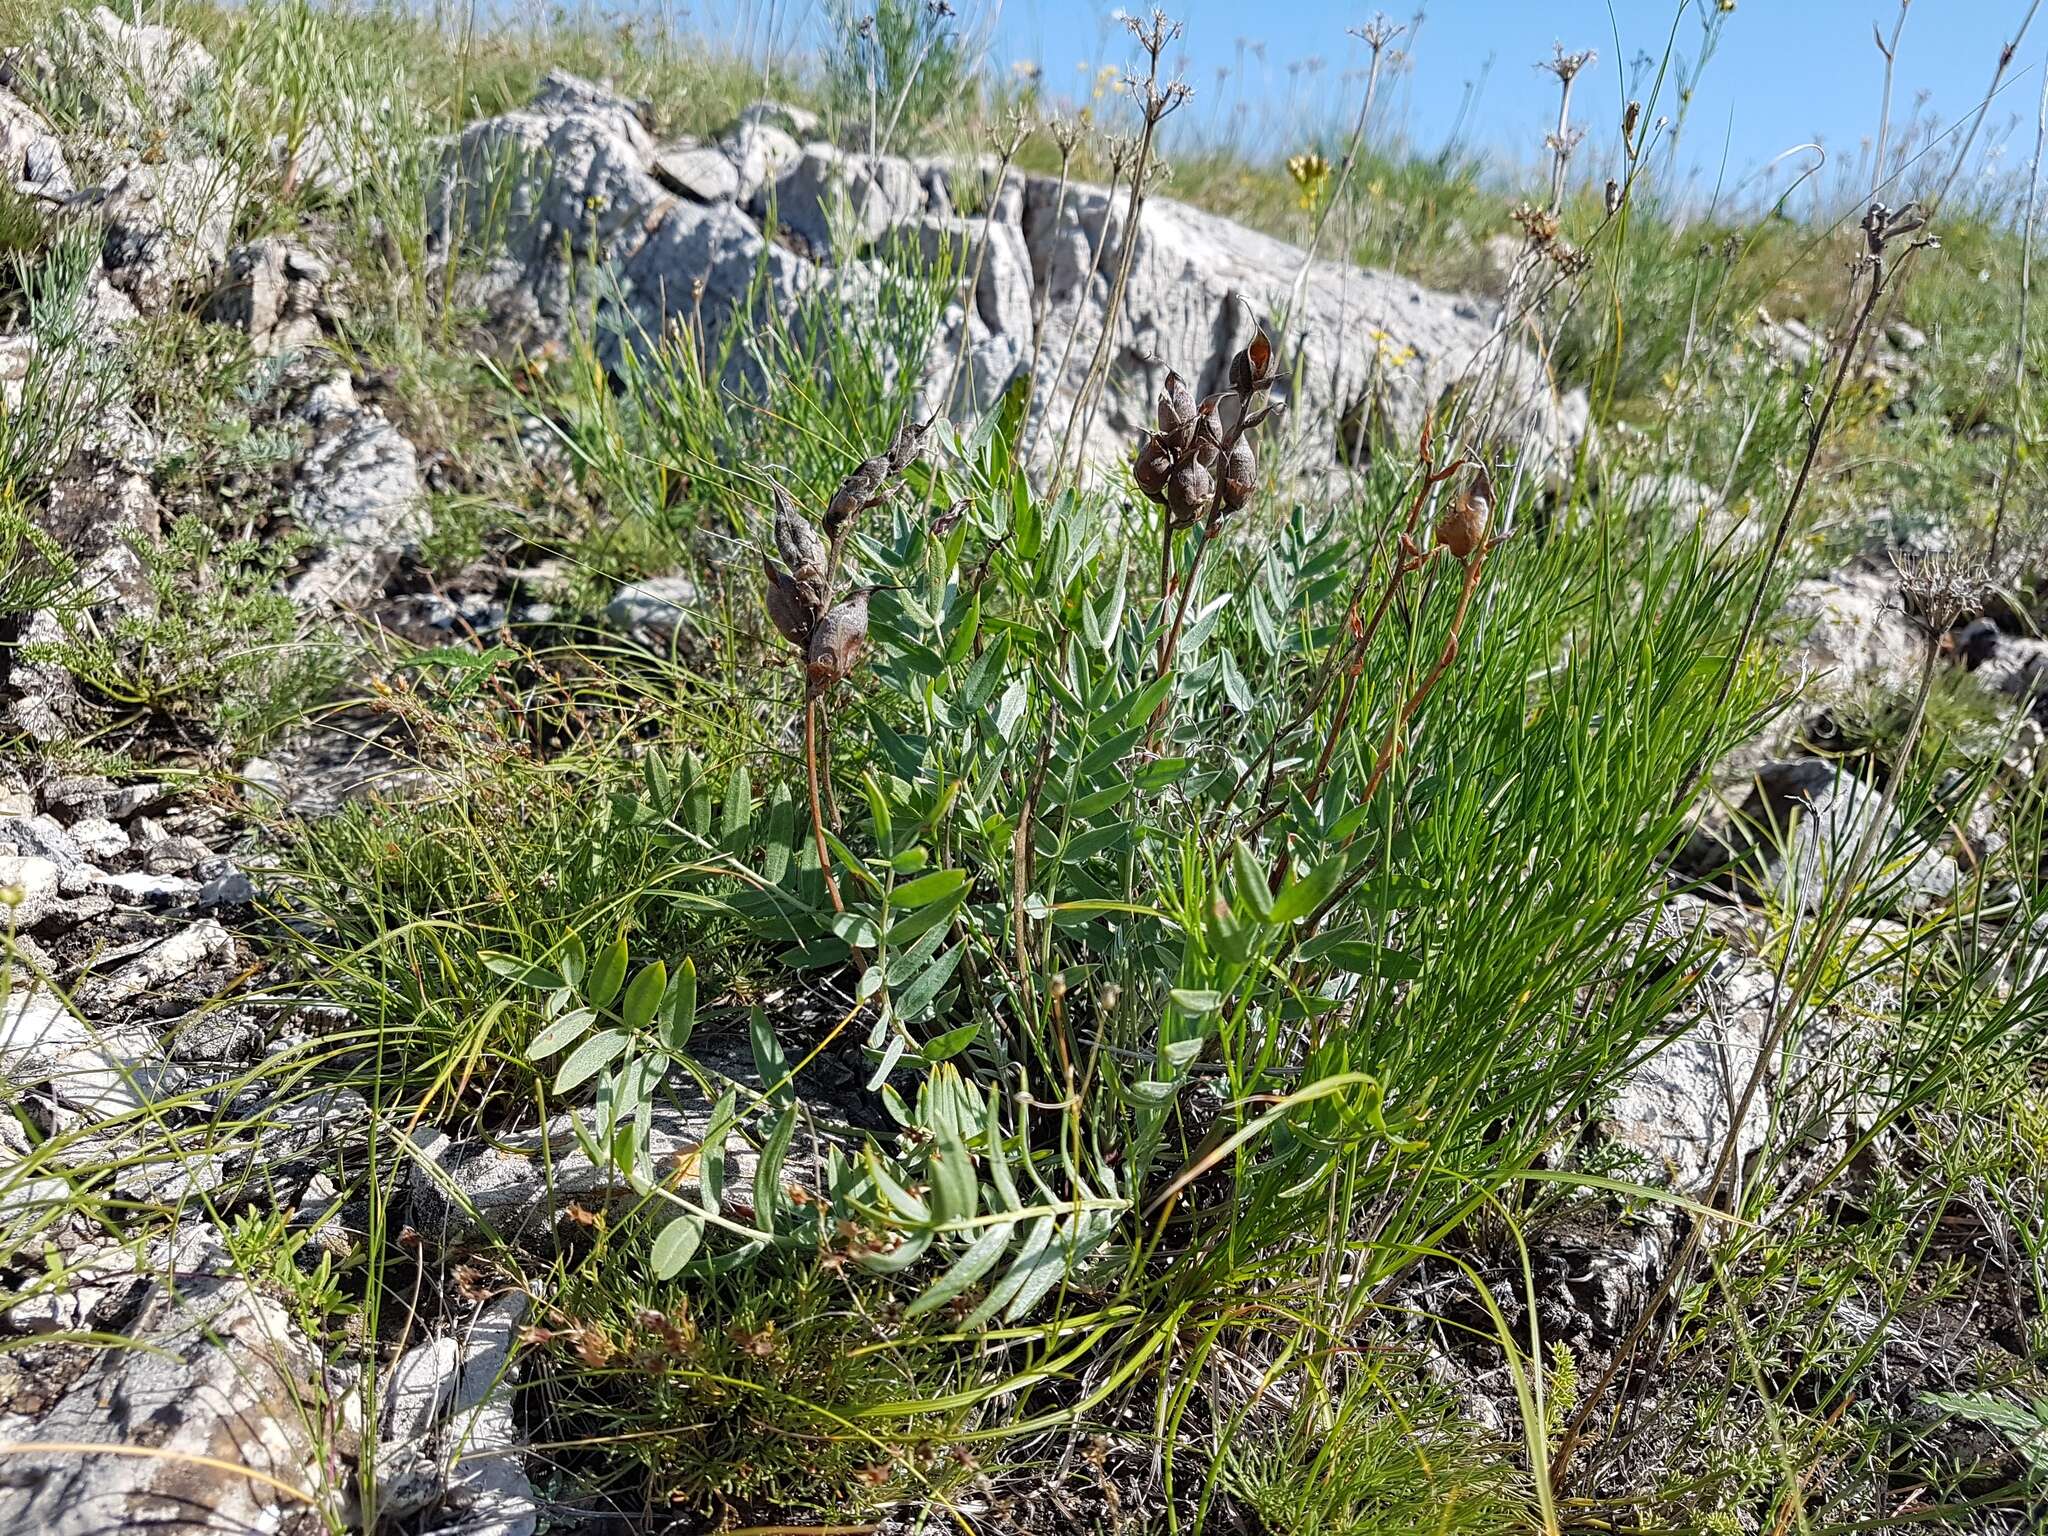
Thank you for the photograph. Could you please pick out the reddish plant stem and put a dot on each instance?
(1355, 668)
(1351, 659)
(1397, 728)
(1392, 746)
(1169, 644)
(817, 810)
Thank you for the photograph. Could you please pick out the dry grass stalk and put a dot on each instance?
(1156, 104)
(1376, 34)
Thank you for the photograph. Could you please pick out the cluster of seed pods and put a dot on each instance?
(1200, 463)
(830, 629)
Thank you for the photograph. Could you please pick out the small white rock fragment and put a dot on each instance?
(99, 838)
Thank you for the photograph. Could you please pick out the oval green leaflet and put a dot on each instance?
(643, 995)
(558, 1035)
(678, 1010)
(607, 974)
(674, 1247)
(590, 1058)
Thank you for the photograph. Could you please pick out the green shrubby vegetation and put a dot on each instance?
(1121, 1046)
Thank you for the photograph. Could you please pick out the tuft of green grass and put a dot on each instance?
(1371, 1459)
(1211, 977)
(217, 649)
(527, 842)
(797, 1391)
(896, 68)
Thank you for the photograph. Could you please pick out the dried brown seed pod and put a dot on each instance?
(838, 643)
(948, 518)
(1176, 403)
(1462, 529)
(908, 445)
(788, 609)
(1154, 466)
(803, 551)
(1189, 491)
(801, 546)
(1252, 368)
(856, 492)
(1240, 475)
(1208, 436)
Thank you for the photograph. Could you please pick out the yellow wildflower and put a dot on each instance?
(1311, 173)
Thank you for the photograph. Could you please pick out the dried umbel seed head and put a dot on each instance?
(1941, 588)
(838, 643)
(856, 493)
(1240, 475)
(788, 609)
(1154, 466)
(1189, 490)
(1539, 224)
(1569, 260)
(1462, 530)
(1251, 370)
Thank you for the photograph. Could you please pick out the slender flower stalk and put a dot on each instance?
(1121, 152)
(1881, 226)
(1932, 203)
(2019, 346)
(1020, 126)
(1158, 103)
(1066, 134)
(1376, 35)
(1565, 138)
(1890, 50)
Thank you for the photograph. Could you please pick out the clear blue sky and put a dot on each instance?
(1784, 72)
